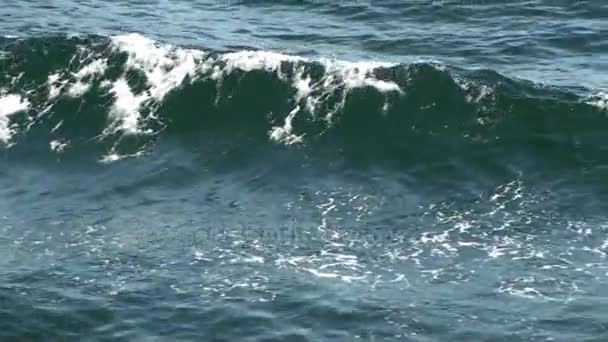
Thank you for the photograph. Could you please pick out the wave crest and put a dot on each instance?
(120, 93)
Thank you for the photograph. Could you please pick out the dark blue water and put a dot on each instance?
(304, 170)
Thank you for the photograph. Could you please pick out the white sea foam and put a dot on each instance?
(339, 76)
(126, 108)
(474, 92)
(58, 83)
(359, 74)
(9, 105)
(256, 60)
(350, 74)
(599, 100)
(165, 68)
(81, 86)
(58, 146)
(284, 134)
(55, 85)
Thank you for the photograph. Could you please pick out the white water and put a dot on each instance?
(9, 105)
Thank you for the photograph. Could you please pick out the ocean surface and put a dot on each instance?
(386, 170)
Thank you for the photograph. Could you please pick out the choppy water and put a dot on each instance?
(304, 170)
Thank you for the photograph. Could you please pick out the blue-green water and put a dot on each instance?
(303, 170)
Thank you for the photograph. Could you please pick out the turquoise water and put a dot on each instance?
(303, 171)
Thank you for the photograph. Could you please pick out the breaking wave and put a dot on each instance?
(117, 95)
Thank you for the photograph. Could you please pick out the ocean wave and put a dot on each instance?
(121, 93)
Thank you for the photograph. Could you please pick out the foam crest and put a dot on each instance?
(359, 74)
(165, 68)
(350, 74)
(599, 100)
(338, 77)
(256, 60)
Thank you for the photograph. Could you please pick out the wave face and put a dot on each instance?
(114, 97)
